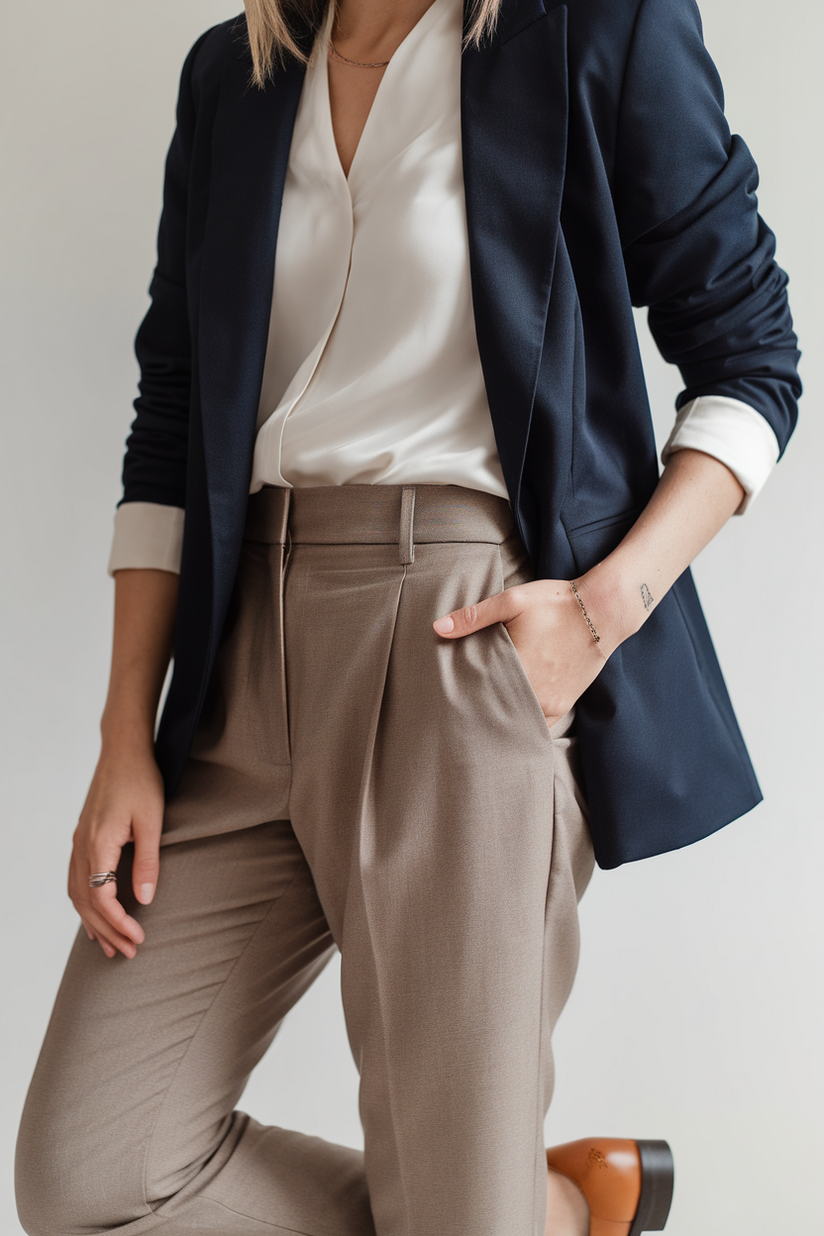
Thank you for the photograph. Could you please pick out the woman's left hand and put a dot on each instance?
(550, 633)
(695, 496)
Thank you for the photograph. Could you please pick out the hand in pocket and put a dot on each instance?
(547, 626)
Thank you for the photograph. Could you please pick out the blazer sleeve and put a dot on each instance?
(154, 468)
(696, 251)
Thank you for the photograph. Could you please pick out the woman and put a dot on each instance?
(436, 644)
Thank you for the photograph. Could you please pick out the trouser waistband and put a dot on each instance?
(377, 515)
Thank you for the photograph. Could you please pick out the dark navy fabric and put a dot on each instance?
(600, 173)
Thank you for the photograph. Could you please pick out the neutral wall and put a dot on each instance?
(698, 1012)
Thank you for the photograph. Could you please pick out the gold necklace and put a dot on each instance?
(359, 64)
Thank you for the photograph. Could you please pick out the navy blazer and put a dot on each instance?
(600, 173)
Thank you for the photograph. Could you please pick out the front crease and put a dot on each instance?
(364, 861)
(285, 559)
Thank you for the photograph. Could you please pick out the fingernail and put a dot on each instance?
(146, 893)
(444, 625)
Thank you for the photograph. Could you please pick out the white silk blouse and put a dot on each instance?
(372, 373)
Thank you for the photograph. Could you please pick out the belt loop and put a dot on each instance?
(285, 505)
(406, 542)
(286, 539)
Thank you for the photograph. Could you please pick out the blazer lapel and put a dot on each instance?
(514, 130)
(250, 153)
(514, 124)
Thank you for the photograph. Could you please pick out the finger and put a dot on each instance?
(108, 937)
(109, 941)
(503, 607)
(96, 926)
(104, 902)
(90, 906)
(107, 948)
(146, 866)
(106, 857)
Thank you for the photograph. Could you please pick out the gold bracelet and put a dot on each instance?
(592, 630)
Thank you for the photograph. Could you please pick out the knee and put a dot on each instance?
(59, 1186)
(36, 1187)
(42, 1171)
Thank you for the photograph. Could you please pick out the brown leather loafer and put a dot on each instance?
(627, 1184)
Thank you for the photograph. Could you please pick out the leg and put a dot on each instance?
(446, 832)
(129, 1123)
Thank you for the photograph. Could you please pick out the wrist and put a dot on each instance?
(609, 605)
(126, 733)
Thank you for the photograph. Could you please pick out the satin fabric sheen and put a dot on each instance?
(372, 372)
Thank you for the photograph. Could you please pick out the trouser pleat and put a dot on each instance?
(355, 782)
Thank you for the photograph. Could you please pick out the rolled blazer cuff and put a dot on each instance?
(147, 535)
(732, 432)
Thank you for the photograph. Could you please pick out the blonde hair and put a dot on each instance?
(274, 26)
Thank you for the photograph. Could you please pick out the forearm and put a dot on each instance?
(144, 613)
(695, 497)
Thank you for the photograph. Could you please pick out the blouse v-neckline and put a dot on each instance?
(398, 81)
(372, 371)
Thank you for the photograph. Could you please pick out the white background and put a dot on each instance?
(698, 1011)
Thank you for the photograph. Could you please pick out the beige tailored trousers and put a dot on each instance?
(356, 782)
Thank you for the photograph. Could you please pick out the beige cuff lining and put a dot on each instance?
(732, 432)
(147, 535)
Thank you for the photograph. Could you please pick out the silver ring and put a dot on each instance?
(101, 878)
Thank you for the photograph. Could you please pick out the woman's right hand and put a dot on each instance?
(125, 799)
(124, 803)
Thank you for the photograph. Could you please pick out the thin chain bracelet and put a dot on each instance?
(592, 630)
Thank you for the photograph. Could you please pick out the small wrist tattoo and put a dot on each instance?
(592, 630)
(646, 597)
